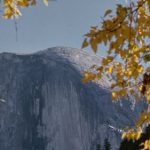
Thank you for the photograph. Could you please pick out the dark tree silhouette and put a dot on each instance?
(98, 147)
(107, 145)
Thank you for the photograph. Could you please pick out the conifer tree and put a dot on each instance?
(98, 147)
(107, 145)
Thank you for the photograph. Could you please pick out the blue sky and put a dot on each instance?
(62, 23)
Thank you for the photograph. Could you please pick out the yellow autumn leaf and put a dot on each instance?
(148, 93)
(132, 91)
(148, 69)
(148, 98)
(85, 43)
(138, 133)
(109, 69)
(140, 69)
(124, 134)
(104, 62)
(85, 75)
(22, 3)
(110, 59)
(93, 43)
(146, 145)
(122, 92)
(114, 95)
(7, 14)
(128, 73)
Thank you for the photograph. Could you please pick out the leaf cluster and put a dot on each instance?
(127, 36)
(12, 7)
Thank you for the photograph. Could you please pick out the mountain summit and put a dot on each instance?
(45, 106)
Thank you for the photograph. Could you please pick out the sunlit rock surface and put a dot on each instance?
(45, 106)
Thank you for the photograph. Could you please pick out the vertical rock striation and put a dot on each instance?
(46, 106)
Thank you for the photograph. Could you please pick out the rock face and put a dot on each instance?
(45, 106)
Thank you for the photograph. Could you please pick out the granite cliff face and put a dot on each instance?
(45, 106)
